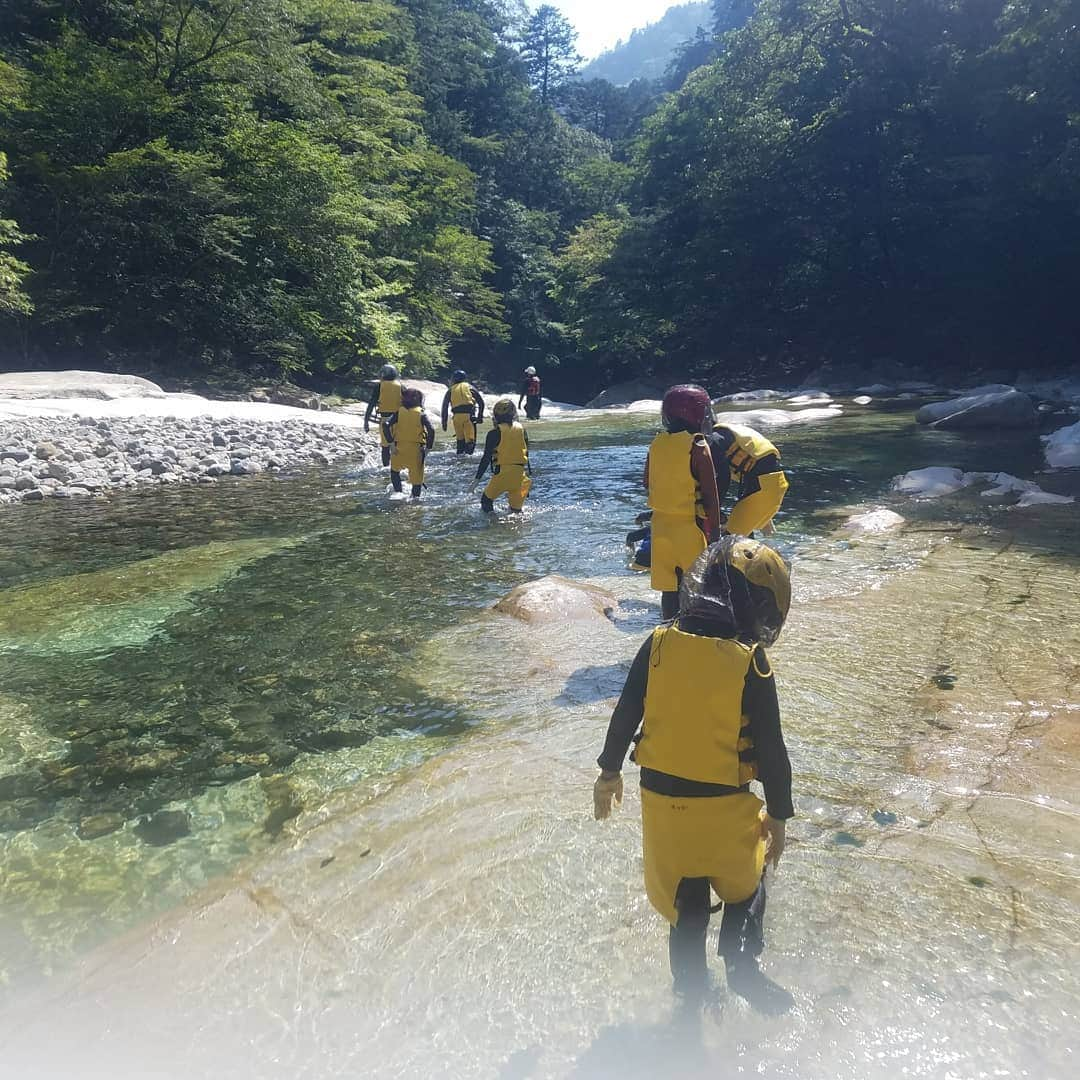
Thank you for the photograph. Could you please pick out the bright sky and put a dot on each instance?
(601, 23)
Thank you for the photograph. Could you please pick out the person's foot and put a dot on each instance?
(749, 982)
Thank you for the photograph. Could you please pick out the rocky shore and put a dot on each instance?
(77, 434)
(69, 457)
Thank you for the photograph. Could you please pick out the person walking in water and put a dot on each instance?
(703, 695)
(506, 451)
(530, 394)
(681, 482)
(745, 455)
(467, 405)
(410, 435)
(387, 399)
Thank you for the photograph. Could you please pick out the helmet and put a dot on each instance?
(530, 371)
(411, 397)
(458, 376)
(741, 586)
(388, 372)
(505, 411)
(685, 408)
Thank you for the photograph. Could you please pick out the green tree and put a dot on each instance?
(548, 47)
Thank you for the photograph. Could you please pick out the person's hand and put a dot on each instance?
(773, 832)
(367, 427)
(608, 788)
(444, 427)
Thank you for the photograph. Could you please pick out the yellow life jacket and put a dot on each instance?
(672, 486)
(693, 724)
(409, 427)
(512, 448)
(747, 449)
(461, 394)
(389, 396)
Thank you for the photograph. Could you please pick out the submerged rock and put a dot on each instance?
(874, 521)
(627, 393)
(991, 408)
(554, 598)
(90, 828)
(164, 827)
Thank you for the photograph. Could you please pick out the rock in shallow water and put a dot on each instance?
(554, 598)
(164, 827)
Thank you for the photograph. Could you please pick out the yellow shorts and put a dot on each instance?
(411, 458)
(718, 838)
(676, 543)
(755, 511)
(511, 481)
(464, 428)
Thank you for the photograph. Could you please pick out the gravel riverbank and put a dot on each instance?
(74, 456)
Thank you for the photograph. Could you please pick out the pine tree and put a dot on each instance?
(549, 51)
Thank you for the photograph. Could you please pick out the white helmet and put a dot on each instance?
(530, 371)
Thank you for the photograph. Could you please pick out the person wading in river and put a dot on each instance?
(703, 695)
(410, 435)
(467, 404)
(681, 482)
(506, 451)
(530, 394)
(387, 399)
(744, 454)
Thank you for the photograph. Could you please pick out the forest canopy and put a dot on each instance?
(310, 188)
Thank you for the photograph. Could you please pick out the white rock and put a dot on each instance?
(1063, 448)
(874, 521)
(768, 418)
(930, 483)
(862, 399)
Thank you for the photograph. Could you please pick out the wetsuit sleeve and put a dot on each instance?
(645, 474)
(490, 443)
(528, 459)
(701, 465)
(429, 432)
(628, 714)
(388, 427)
(718, 445)
(371, 405)
(445, 409)
(478, 398)
(762, 712)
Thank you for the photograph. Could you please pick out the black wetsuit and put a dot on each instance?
(741, 925)
(429, 442)
(491, 444)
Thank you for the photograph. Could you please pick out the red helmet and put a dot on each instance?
(685, 407)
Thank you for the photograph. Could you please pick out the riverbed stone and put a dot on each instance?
(45, 450)
(554, 599)
(96, 825)
(164, 827)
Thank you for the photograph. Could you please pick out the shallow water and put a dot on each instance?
(293, 683)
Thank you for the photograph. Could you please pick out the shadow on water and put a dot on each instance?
(589, 684)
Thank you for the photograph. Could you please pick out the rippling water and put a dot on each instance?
(305, 670)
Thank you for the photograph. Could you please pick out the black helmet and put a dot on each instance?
(388, 372)
(458, 376)
(741, 586)
(411, 397)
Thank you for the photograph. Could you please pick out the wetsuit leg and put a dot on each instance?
(395, 479)
(462, 446)
(470, 447)
(686, 941)
(742, 938)
(486, 504)
(385, 456)
(416, 489)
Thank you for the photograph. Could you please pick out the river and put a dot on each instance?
(380, 858)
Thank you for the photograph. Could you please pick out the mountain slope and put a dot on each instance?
(648, 50)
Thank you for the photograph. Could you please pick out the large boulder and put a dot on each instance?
(556, 599)
(994, 409)
(52, 385)
(627, 392)
(287, 394)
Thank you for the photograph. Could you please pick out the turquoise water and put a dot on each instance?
(247, 653)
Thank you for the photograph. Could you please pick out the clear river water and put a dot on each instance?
(278, 717)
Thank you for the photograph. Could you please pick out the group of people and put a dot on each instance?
(699, 704)
(407, 435)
